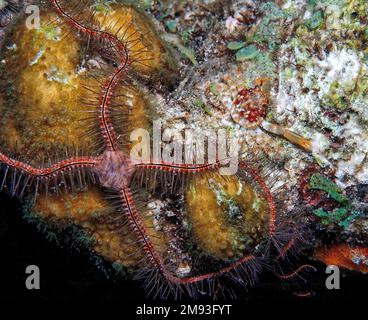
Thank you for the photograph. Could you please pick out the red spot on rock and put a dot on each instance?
(250, 107)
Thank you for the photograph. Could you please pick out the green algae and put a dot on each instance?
(214, 89)
(201, 105)
(235, 45)
(270, 29)
(171, 25)
(50, 32)
(262, 66)
(344, 215)
(315, 21)
(337, 97)
(120, 270)
(247, 53)
(320, 182)
(335, 216)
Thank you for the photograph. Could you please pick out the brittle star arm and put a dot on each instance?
(178, 168)
(55, 169)
(271, 203)
(153, 255)
(108, 88)
(295, 273)
(201, 168)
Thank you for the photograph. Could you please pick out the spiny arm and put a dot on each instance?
(55, 169)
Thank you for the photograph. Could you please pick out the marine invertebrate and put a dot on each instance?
(287, 134)
(160, 254)
(219, 202)
(248, 106)
(344, 255)
(327, 199)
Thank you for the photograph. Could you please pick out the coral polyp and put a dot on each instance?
(236, 215)
(250, 107)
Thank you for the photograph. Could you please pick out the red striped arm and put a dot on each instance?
(179, 168)
(55, 169)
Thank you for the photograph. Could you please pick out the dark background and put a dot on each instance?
(70, 275)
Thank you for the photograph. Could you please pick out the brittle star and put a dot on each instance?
(115, 170)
